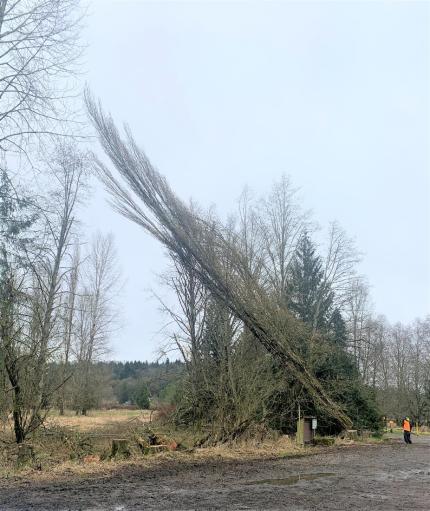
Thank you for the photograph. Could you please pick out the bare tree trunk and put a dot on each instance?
(68, 169)
(36, 299)
(7, 335)
(96, 315)
(70, 317)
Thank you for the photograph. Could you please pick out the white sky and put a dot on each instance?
(227, 94)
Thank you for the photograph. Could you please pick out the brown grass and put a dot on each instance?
(56, 466)
(73, 445)
(97, 419)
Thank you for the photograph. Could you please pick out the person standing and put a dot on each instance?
(407, 428)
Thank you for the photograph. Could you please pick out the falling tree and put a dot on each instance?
(142, 195)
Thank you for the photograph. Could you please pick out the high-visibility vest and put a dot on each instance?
(406, 425)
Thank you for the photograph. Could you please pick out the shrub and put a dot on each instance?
(141, 396)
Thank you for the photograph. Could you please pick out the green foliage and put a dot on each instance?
(359, 402)
(337, 329)
(17, 216)
(309, 298)
(328, 357)
(88, 386)
(141, 395)
(171, 393)
(335, 368)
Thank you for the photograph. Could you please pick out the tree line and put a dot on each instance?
(114, 384)
(394, 361)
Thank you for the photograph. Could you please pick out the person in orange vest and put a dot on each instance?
(407, 428)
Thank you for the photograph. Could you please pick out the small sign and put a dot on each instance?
(314, 424)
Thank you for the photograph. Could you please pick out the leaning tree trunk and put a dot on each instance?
(143, 196)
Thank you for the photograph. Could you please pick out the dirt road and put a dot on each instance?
(379, 477)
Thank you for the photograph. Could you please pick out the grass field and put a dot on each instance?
(97, 419)
(74, 440)
(83, 444)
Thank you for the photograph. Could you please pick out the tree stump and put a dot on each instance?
(120, 448)
(25, 455)
(352, 434)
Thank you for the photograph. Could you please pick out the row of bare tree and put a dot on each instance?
(393, 360)
(55, 290)
(55, 304)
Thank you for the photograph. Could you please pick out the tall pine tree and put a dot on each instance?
(307, 289)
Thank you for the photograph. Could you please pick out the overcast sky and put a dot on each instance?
(227, 94)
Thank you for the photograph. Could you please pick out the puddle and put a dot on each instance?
(294, 479)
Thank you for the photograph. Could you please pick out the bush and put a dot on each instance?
(141, 396)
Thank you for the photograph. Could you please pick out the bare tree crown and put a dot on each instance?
(39, 49)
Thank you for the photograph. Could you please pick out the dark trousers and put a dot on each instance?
(407, 437)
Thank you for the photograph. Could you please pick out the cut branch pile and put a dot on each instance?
(142, 195)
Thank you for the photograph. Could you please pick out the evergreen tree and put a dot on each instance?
(337, 328)
(16, 218)
(141, 395)
(308, 296)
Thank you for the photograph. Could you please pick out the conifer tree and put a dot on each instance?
(16, 219)
(338, 329)
(306, 285)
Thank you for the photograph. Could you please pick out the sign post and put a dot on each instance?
(314, 427)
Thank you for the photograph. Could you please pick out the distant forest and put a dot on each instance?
(160, 378)
(136, 383)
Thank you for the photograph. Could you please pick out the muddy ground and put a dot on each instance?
(376, 477)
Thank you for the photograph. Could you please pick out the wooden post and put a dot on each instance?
(300, 434)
